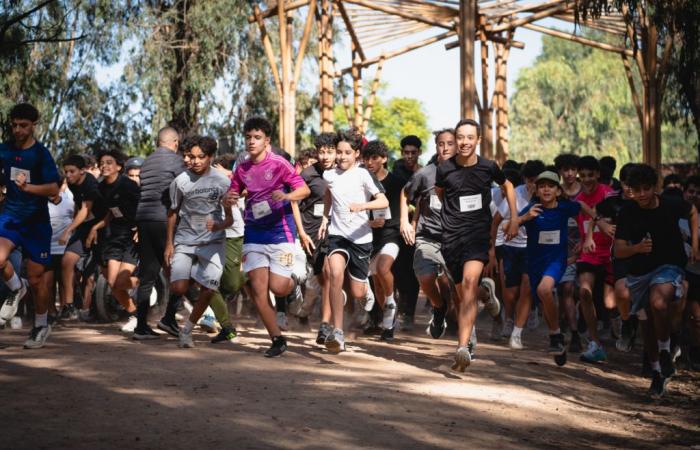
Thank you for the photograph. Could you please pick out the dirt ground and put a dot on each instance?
(92, 387)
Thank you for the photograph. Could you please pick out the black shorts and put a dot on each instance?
(693, 280)
(514, 265)
(499, 252)
(600, 271)
(356, 256)
(457, 253)
(120, 247)
(319, 257)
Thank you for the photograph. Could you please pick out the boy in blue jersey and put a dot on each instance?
(546, 223)
(31, 177)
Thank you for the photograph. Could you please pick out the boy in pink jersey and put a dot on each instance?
(594, 261)
(271, 184)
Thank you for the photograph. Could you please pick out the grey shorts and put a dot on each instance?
(203, 263)
(427, 259)
(569, 274)
(640, 286)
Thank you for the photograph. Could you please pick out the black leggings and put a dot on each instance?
(405, 279)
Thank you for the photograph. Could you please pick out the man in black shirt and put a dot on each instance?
(463, 184)
(648, 234)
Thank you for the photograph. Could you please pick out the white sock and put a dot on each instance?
(665, 345)
(14, 282)
(41, 320)
(517, 331)
(656, 366)
(389, 300)
(557, 331)
(187, 327)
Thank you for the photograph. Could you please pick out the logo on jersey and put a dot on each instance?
(268, 174)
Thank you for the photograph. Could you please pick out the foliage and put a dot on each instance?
(577, 99)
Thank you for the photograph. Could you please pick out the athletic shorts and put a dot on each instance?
(693, 286)
(554, 269)
(427, 259)
(499, 252)
(34, 238)
(76, 243)
(620, 269)
(600, 271)
(569, 274)
(317, 260)
(279, 258)
(640, 285)
(388, 249)
(202, 263)
(514, 265)
(120, 247)
(356, 256)
(457, 253)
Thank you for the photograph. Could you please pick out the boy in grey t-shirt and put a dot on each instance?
(195, 251)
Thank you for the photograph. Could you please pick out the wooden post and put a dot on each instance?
(372, 96)
(357, 90)
(501, 100)
(282, 18)
(486, 113)
(290, 99)
(467, 35)
(325, 31)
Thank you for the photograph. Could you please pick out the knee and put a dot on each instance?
(178, 288)
(544, 292)
(470, 284)
(585, 293)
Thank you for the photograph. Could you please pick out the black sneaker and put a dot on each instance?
(226, 334)
(323, 332)
(667, 367)
(279, 346)
(169, 326)
(144, 334)
(556, 344)
(372, 328)
(438, 323)
(68, 312)
(387, 334)
(628, 334)
(658, 385)
(575, 344)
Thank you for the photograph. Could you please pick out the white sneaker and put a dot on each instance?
(493, 306)
(208, 324)
(185, 340)
(295, 306)
(508, 328)
(38, 337)
(516, 342)
(389, 316)
(335, 342)
(282, 321)
(9, 308)
(368, 302)
(129, 326)
(462, 359)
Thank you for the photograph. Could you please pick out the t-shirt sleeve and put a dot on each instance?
(371, 185)
(497, 174)
(414, 186)
(571, 209)
(49, 171)
(683, 209)
(525, 209)
(175, 194)
(440, 177)
(91, 191)
(291, 178)
(504, 208)
(236, 184)
(623, 230)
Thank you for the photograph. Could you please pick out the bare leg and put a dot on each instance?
(467, 308)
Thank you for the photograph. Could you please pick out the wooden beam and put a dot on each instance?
(269, 53)
(493, 38)
(485, 110)
(467, 35)
(510, 25)
(578, 39)
(351, 30)
(372, 95)
(325, 49)
(397, 12)
(357, 90)
(304, 42)
(272, 11)
(533, 8)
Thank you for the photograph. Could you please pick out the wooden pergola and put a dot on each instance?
(379, 30)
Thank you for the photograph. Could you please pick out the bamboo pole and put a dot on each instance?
(467, 35)
(372, 95)
(531, 18)
(326, 81)
(400, 13)
(290, 93)
(269, 53)
(272, 11)
(501, 101)
(578, 39)
(485, 110)
(351, 30)
(304, 42)
(357, 90)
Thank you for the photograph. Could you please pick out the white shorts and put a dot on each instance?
(389, 249)
(280, 258)
(203, 263)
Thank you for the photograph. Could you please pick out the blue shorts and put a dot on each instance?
(554, 269)
(34, 238)
(640, 285)
(514, 265)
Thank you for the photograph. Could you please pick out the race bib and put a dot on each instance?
(586, 224)
(318, 209)
(549, 237)
(571, 223)
(469, 203)
(14, 171)
(382, 214)
(199, 222)
(261, 209)
(435, 202)
(116, 212)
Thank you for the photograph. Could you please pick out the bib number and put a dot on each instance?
(468, 203)
(14, 171)
(116, 212)
(572, 223)
(199, 222)
(382, 214)
(318, 209)
(261, 209)
(435, 202)
(549, 237)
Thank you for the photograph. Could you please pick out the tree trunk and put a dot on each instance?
(184, 101)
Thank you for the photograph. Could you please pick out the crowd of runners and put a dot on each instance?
(337, 233)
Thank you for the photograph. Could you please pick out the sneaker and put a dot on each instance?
(361, 318)
(367, 302)
(335, 343)
(226, 334)
(129, 326)
(472, 350)
(282, 322)
(492, 306)
(575, 343)
(324, 331)
(389, 316)
(387, 334)
(84, 315)
(68, 312)
(208, 323)
(144, 334)
(658, 385)
(462, 359)
(296, 305)
(9, 308)
(170, 327)
(668, 369)
(508, 328)
(438, 323)
(185, 339)
(628, 334)
(533, 320)
(594, 353)
(556, 344)
(406, 322)
(38, 337)
(616, 327)
(279, 346)
(515, 342)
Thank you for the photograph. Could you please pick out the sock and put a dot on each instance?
(389, 300)
(41, 320)
(517, 331)
(555, 332)
(665, 345)
(187, 327)
(14, 282)
(655, 366)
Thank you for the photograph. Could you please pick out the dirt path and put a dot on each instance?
(92, 388)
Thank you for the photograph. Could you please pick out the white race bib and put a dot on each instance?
(261, 209)
(382, 214)
(116, 212)
(198, 222)
(318, 209)
(571, 222)
(549, 237)
(14, 171)
(469, 203)
(435, 202)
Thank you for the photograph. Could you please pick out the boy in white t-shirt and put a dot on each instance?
(352, 191)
